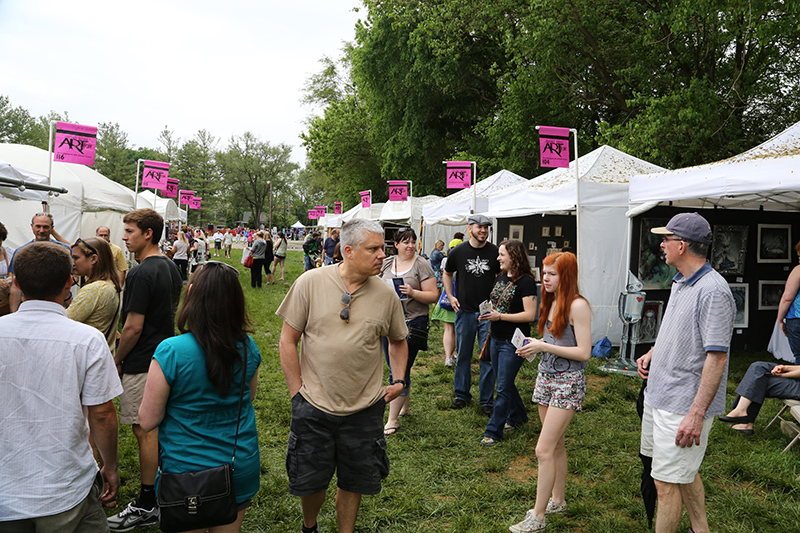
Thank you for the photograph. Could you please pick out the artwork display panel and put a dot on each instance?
(769, 294)
(774, 243)
(741, 296)
(651, 320)
(653, 270)
(729, 249)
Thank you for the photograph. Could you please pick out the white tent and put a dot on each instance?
(65, 208)
(767, 176)
(604, 175)
(166, 207)
(298, 225)
(335, 221)
(409, 212)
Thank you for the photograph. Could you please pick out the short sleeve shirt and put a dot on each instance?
(476, 270)
(414, 276)
(506, 298)
(341, 363)
(119, 257)
(96, 305)
(152, 289)
(699, 319)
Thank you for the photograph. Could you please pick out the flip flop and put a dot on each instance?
(390, 430)
(401, 415)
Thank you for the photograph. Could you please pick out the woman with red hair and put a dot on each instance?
(565, 318)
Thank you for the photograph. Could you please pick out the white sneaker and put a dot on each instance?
(529, 525)
(552, 508)
(450, 361)
(132, 517)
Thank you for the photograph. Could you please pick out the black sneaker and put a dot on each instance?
(487, 410)
(458, 404)
(305, 529)
(132, 517)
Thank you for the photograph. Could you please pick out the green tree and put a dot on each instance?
(114, 158)
(253, 169)
(196, 170)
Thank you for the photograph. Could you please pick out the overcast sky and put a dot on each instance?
(226, 66)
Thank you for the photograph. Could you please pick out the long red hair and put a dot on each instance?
(566, 265)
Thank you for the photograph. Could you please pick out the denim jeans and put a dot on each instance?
(467, 328)
(793, 335)
(508, 407)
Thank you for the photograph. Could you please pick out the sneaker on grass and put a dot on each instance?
(132, 517)
(552, 508)
(531, 524)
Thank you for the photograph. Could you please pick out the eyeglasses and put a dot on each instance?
(86, 244)
(667, 238)
(345, 314)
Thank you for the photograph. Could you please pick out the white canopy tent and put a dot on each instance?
(444, 217)
(298, 225)
(166, 207)
(335, 221)
(765, 177)
(409, 212)
(604, 175)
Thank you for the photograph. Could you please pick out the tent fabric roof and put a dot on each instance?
(455, 208)
(767, 176)
(406, 212)
(166, 207)
(555, 191)
(7, 170)
(95, 192)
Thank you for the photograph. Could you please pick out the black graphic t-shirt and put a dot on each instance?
(476, 270)
(507, 298)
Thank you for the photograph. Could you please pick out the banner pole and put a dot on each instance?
(474, 187)
(136, 189)
(577, 197)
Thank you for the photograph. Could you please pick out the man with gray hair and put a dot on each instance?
(686, 373)
(336, 382)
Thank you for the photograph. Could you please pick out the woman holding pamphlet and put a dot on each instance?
(565, 318)
(513, 308)
(412, 278)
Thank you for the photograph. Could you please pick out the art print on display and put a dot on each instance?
(557, 231)
(741, 296)
(774, 243)
(545, 231)
(728, 249)
(651, 320)
(653, 269)
(769, 294)
(516, 232)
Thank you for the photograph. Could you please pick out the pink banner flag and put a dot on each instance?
(312, 214)
(154, 175)
(186, 198)
(459, 174)
(398, 191)
(195, 202)
(554, 146)
(171, 190)
(321, 211)
(75, 143)
(366, 198)
(337, 208)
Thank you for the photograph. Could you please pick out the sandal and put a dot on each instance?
(390, 430)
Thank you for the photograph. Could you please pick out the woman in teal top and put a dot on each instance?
(193, 386)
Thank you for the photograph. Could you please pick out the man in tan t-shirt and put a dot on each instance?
(119, 256)
(336, 384)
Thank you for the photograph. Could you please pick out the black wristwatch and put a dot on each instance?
(395, 381)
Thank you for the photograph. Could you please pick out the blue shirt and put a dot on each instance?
(11, 263)
(199, 426)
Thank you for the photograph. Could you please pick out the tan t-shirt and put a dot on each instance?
(341, 363)
(119, 257)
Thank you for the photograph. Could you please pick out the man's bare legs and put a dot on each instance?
(347, 504)
(671, 500)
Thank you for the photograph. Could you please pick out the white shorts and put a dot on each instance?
(671, 463)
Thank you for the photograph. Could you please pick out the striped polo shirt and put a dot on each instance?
(699, 319)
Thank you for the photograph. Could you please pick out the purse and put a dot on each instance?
(248, 262)
(417, 336)
(204, 498)
(444, 301)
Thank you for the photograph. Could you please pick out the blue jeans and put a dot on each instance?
(328, 260)
(508, 407)
(793, 335)
(467, 327)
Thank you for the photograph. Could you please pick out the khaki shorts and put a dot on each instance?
(671, 463)
(131, 399)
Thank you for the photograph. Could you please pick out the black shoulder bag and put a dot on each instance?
(201, 499)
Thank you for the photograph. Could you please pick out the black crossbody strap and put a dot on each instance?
(241, 393)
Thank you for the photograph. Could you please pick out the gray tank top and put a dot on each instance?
(553, 364)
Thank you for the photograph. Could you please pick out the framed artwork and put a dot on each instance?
(769, 294)
(515, 232)
(651, 320)
(566, 244)
(653, 269)
(728, 249)
(741, 296)
(545, 231)
(557, 231)
(774, 243)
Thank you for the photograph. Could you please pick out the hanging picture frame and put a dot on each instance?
(774, 243)
(769, 294)
(545, 231)
(729, 249)
(651, 320)
(741, 297)
(653, 269)
(516, 232)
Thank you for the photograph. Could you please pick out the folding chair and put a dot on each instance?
(787, 404)
(795, 410)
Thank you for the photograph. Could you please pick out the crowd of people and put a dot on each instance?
(188, 398)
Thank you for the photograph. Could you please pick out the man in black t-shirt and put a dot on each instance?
(475, 264)
(152, 290)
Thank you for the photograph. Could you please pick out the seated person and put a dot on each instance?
(762, 380)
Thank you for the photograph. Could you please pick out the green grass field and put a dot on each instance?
(441, 480)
